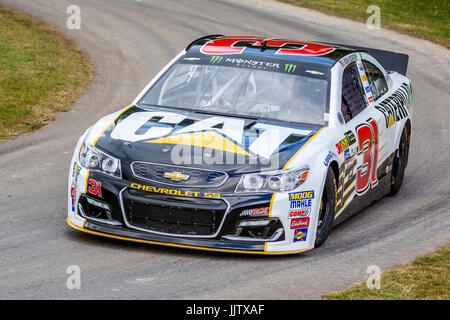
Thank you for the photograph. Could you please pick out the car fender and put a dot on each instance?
(317, 154)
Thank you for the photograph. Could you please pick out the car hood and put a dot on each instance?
(202, 140)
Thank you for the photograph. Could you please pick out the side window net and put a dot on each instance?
(353, 99)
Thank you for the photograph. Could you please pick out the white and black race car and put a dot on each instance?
(246, 144)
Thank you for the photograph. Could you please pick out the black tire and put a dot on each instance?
(327, 209)
(399, 163)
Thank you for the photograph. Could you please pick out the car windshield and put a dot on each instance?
(247, 91)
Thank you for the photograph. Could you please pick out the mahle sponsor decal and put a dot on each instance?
(300, 200)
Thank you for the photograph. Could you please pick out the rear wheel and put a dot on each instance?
(327, 209)
(399, 163)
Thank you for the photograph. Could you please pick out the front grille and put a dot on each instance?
(180, 216)
(197, 177)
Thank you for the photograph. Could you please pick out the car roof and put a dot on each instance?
(254, 47)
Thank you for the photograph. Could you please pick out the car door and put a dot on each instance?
(381, 90)
(358, 144)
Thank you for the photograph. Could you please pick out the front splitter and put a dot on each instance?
(197, 244)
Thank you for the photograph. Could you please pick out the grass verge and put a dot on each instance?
(41, 72)
(428, 20)
(425, 278)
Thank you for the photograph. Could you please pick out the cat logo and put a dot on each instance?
(176, 176)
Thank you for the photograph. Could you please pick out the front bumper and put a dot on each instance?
(122, 233)
(85, 184)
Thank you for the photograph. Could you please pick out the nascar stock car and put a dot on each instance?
(246, 144)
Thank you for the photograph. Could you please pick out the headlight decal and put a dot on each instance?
(275, 181)
(93, 159)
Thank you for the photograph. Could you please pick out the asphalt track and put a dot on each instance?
(128, 42)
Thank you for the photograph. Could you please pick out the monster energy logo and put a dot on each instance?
(215, 59)
(289, 67)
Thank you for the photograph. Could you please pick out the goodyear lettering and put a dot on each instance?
(328, 158)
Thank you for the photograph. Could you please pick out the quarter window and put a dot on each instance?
(376, 79)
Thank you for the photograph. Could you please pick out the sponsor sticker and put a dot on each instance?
(346, 60)
(289, 68)
(255, 212)
(300, 234)
(328, 158)
(301, 195)
(301, 200)
(360, 66)
(301, 204)
(299, 223)
(346, 142)
(347, 154)
(299, 213)
(75, 173)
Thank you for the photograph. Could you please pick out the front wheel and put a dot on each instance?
(327, 209)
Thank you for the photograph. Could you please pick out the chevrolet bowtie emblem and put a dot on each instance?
(176, 176)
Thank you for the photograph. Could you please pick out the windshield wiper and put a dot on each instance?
(202, 111)
(232, 115)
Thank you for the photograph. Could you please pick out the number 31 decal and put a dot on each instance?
(95, 187)
(368, 146)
